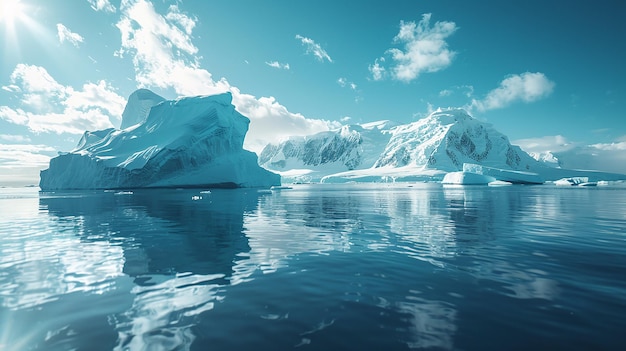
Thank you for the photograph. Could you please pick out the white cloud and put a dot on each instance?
(185, 22)
(11, 88)
(164, 56)
(343, 82)
(36, 86)
(20, 163)
(526, 87)
(272, 122)
(25, 155)
(314, 48)
(15, 138)
(378, 71)
(550, 143)
(102, 5)
(445, 92)
(163, 53)
(49, 107)
(466, 90)
(424, 50)
(67, 35)
(278, 65)
(619, 146)
(15, 116)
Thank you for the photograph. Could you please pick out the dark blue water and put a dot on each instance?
(317, 267)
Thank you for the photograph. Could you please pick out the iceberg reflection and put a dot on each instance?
(178, 248)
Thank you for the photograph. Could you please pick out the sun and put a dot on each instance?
(10, 10)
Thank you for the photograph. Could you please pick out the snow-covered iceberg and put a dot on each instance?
(467, 178)
(187, 142)
(515, 177)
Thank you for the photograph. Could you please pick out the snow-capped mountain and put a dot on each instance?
(448, 138)
(426, 149)
(432, 146)
(187, 142)
(312, 157)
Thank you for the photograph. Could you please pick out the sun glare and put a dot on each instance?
(10, 10)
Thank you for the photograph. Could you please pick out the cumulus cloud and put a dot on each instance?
(526, 87)
(182, 20)
(164, 56)
(377, 69)
(314, 48)
(423, 49)
(278, 65)
(50, 107)
(102, 5)
(65, 34)
(272, 122)
(162, 50)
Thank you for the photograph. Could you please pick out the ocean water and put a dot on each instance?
(316, 267)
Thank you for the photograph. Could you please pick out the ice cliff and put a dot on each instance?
(187, 142)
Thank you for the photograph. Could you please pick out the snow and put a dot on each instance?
(467, 178)
(310, 158)
(187, 142)
(578, 181)
(516, 177)
(499, 183)
(424, 150)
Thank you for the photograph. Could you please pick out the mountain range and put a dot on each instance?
(423, 150)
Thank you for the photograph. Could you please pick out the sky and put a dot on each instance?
(548, 74)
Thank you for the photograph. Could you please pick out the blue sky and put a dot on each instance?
(545, 73)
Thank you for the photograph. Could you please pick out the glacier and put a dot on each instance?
(187, 142)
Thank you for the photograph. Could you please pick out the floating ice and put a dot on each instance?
(516, 177)
(188, 142)
(467, 178)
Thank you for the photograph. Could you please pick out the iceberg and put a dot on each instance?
(187, 142)
(575, 181)
(467, 178)
(515, 177)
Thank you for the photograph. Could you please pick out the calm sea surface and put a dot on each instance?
(316, 267)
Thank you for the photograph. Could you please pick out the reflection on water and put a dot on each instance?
(347, 267)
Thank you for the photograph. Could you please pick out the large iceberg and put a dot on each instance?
(187, 142)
